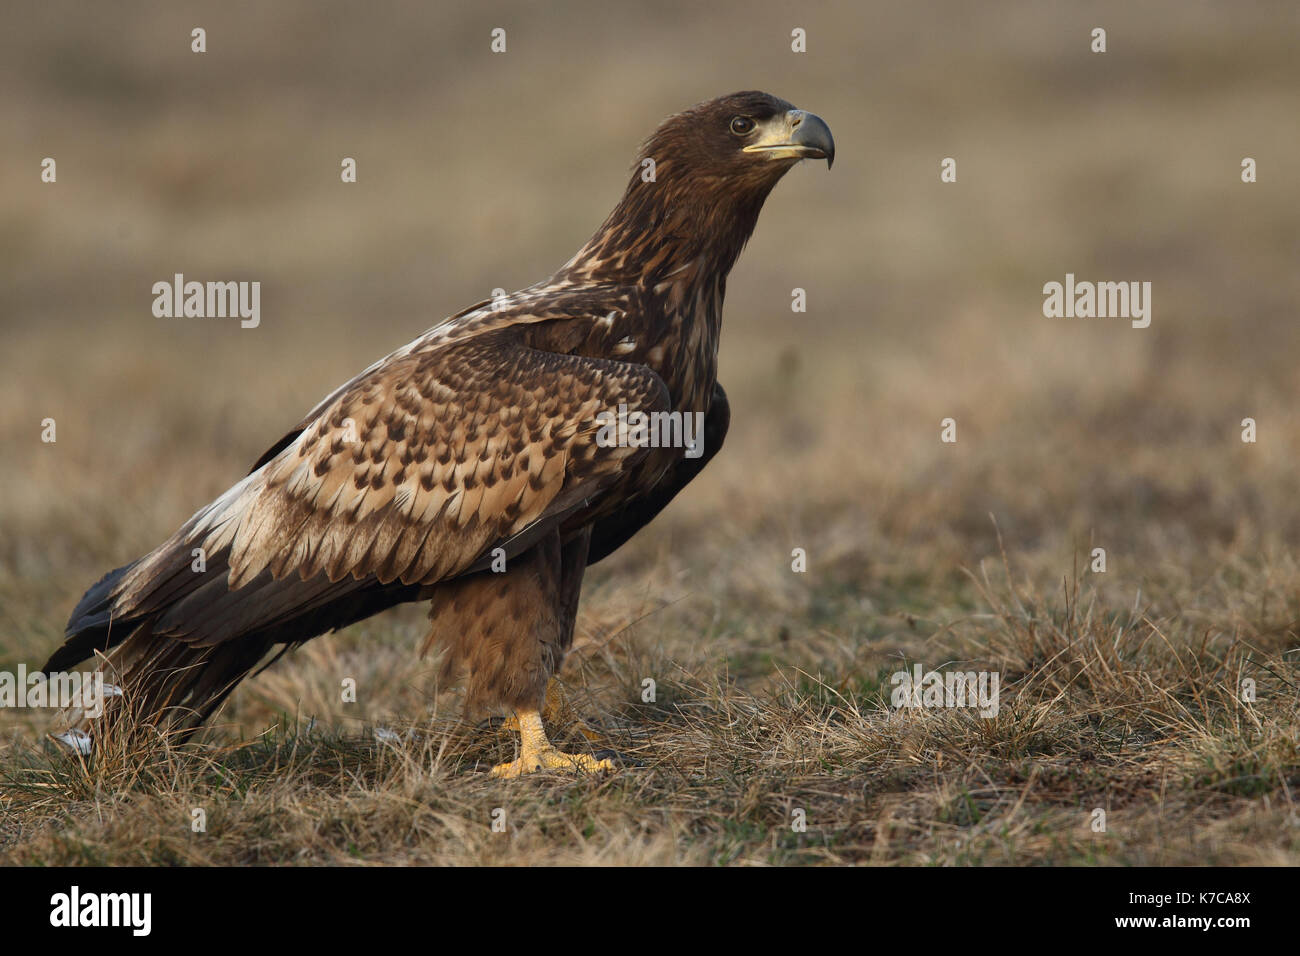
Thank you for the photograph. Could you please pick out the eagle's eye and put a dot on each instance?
(742, 125)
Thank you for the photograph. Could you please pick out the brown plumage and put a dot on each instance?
(477, 441)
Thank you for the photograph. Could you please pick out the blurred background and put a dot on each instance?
(479, 170)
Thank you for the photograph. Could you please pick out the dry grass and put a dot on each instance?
(1134, 714)
(1121, 691)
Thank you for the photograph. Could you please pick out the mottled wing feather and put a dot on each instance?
(434, 458)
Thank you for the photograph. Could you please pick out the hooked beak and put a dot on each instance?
(796, 135)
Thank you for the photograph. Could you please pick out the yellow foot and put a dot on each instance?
(536, 752)
(550, 759)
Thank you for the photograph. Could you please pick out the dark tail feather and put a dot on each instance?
(177, 656)
(179, 684)
(166, 683)
(92, 627)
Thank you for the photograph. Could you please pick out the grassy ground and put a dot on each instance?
(1122, 691)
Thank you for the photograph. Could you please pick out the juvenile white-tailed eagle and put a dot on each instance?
(474, 445)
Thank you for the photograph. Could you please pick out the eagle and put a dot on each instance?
(475, 467)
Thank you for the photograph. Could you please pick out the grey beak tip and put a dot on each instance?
(813, 131)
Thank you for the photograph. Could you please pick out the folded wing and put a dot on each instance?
(412, 474)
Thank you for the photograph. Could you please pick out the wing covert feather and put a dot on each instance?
(432, 459)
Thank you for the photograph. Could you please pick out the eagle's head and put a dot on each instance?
(698, 185)
(748, 137)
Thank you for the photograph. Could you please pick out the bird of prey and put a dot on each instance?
(469, 467)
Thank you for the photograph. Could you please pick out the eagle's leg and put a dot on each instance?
(560, 567)
(537, 753)
(510, 632)
(558, 711)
